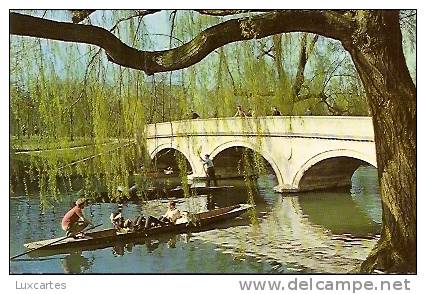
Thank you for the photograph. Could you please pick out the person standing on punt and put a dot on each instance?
(211, 175)
(74, 220)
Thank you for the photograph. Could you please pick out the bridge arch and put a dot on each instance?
(331, 154)
(175, 147)
(239, 143)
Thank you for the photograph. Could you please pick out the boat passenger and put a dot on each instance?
(170, 217)
(139, 223)
(250, 113)
(74, 220)
(194, 115)
(117, 220)
(168, 171)
(172, 214)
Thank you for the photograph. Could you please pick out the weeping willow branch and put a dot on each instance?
(139, 14)
(78, 15)
(94, 156)
(332, 73)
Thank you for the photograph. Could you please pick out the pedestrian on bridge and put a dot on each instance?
(240, 112)
(194, 115)
(250, 113)
(275, 111)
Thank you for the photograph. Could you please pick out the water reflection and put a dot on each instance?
(311, 232)
(365, 192)
(119, 249)
(319, 232)
(338, 213)
(287, 236)
(151, 245)
(75, 263)
(172, 242)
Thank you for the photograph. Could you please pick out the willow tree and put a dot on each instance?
(374, 41)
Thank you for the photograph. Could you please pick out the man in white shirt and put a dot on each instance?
(172, 213)
(210, 170)
(171, 216)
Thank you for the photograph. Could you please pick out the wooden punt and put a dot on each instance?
(108, 237)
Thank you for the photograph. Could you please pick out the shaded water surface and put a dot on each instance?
(325, 232)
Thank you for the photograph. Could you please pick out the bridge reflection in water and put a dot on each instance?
(329, 232)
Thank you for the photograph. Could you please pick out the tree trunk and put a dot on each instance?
(376, 49)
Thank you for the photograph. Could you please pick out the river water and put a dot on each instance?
(315, 232)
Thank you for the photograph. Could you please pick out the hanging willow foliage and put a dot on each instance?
(88, 116)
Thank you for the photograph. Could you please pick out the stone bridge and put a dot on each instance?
(305, 152)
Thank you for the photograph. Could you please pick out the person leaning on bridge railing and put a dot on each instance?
(250, 113)
(194, 115)
(240, 112)
(275, 111)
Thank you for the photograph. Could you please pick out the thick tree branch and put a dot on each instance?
(303, 59)
(328, 23)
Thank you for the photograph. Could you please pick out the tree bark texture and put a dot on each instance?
(376, 49)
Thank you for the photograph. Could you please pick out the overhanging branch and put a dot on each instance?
(327, 23)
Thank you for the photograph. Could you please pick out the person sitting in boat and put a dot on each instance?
(172, 214)
(170, 217)
(139, 223)
(74, 220)
(118, 222)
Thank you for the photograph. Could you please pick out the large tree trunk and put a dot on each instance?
(376, 49)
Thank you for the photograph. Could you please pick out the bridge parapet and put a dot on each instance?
(327, 127)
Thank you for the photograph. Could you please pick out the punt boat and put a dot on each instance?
(109, 237)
